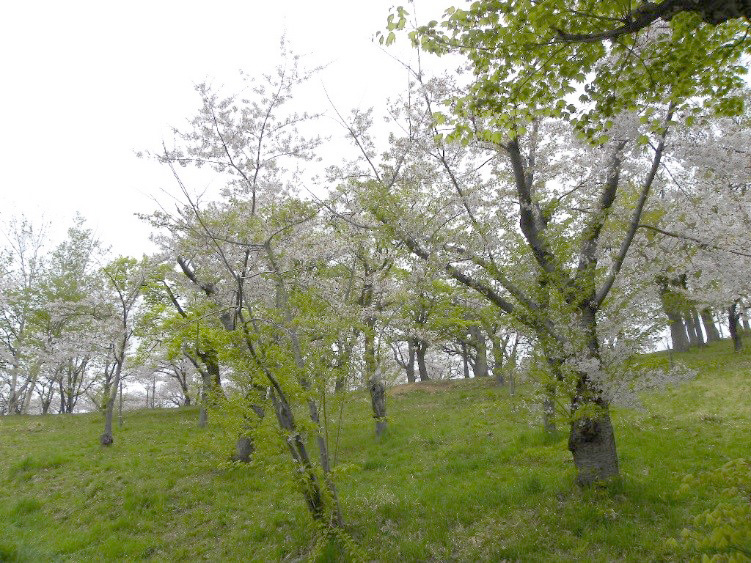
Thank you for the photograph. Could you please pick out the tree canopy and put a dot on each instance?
(589, 60)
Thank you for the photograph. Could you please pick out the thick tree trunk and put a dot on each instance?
(211, 389)
(244, 447)
(709, 327)
(733, 327)
(481, 351)
(422, 368)
(203, 413)
(670, 306)
(678, 334)
(591, 439)
(592, 442)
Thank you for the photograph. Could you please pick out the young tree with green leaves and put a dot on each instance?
(254, 262)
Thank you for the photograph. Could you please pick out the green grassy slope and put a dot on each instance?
(463, 474)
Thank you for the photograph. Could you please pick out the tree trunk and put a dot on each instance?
(244, 449)
(744, 317)
(410, 367)
(465, 359)
(12, 393)
(32, 383)
(733, 316)
(211, 389)
(678, 333)
(697, 327)
(591, 438)
(373, 379)
(422, 368)
(691, 330)
(592, 442)
(718, 324)
(378, 400)
(709, 327)
(481, 348)
(498, 360)
(107, 439)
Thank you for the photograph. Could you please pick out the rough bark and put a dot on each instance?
(709, 327)
(592, 443)
(678, 334)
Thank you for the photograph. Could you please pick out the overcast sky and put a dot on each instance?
(85, 84)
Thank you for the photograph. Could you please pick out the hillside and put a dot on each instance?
(463, 474)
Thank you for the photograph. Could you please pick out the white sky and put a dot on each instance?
(85, 84)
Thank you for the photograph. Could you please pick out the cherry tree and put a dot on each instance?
(124, 279)
(68, 323)
(21, 261)
(701, 226)
(535, 221)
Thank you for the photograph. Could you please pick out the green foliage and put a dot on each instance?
(723, 532)
(529, 63)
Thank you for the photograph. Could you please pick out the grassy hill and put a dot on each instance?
(463, 474)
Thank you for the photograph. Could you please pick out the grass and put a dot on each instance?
(463, 474)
